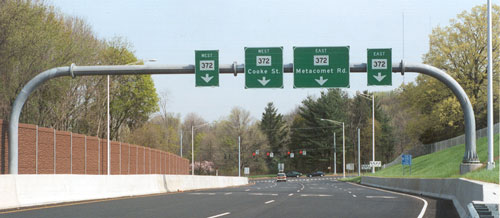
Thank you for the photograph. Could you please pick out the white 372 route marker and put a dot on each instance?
(263, 81)
(321, 81)
(207, 78)
(379, 77)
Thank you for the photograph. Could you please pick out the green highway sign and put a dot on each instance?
(264, 67)
(379, 67)
(207, 68)
(320, 67)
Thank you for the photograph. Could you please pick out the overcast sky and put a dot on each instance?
(170, 30)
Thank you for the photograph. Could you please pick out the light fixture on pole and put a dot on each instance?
(343, 142)
(371, 97)
(192, 145)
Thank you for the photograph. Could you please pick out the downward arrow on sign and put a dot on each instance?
(263, 81)
(379, 77)
(207, 78)
(321, 81)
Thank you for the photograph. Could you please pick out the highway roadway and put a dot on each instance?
(302, 197)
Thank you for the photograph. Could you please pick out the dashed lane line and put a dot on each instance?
(263, 194)
(201, 193)
(386, 197)
(219, 215)
(268, 202)
(315, 195)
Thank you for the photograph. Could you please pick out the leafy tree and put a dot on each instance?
(460, 50)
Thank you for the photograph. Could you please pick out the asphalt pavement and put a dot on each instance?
(298, 197)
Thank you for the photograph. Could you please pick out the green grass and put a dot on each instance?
(446, 164)
(484, 175)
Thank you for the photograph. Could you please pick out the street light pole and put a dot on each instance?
(181, 142)
(343, 142)
(108, 118)
(239, 156)
(343, 149)
(373, 131)
(334, 154)
(192, 150)
(359, 157)
(192, 145)
(373, 124)
(108, 144)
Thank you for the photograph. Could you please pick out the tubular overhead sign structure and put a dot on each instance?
(470, 159)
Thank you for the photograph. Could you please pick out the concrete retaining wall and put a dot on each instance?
(30, 190)
(460, 191)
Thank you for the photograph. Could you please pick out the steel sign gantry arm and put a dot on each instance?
(470, 156)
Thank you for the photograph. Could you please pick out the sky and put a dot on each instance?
(169, 31)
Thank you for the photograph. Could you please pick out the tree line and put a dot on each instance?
(35, 37)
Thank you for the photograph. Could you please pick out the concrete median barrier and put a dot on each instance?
(31, 190)
(460, 191)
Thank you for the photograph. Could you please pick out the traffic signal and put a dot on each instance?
(253, 155)
(300, 152)
(267, 154)
(288, 153)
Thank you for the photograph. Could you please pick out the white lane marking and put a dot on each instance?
(349, 192)
(219, 215)
(263, 194)
(228, 193)
(422, 212)
(388, 197)
(268, 202)
(317, 188)
(202, 193)
(247, 190)
(315, 195)
(290, 194)
(353, 196)
(258, 188)
(298, 190)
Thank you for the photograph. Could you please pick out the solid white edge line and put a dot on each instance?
(219, 215)
(268, 202)
(422, 212)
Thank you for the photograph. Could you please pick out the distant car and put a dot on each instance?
(317, 173)
(293, 174)
(281, 177)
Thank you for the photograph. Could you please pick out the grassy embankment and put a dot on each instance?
(445, 164)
